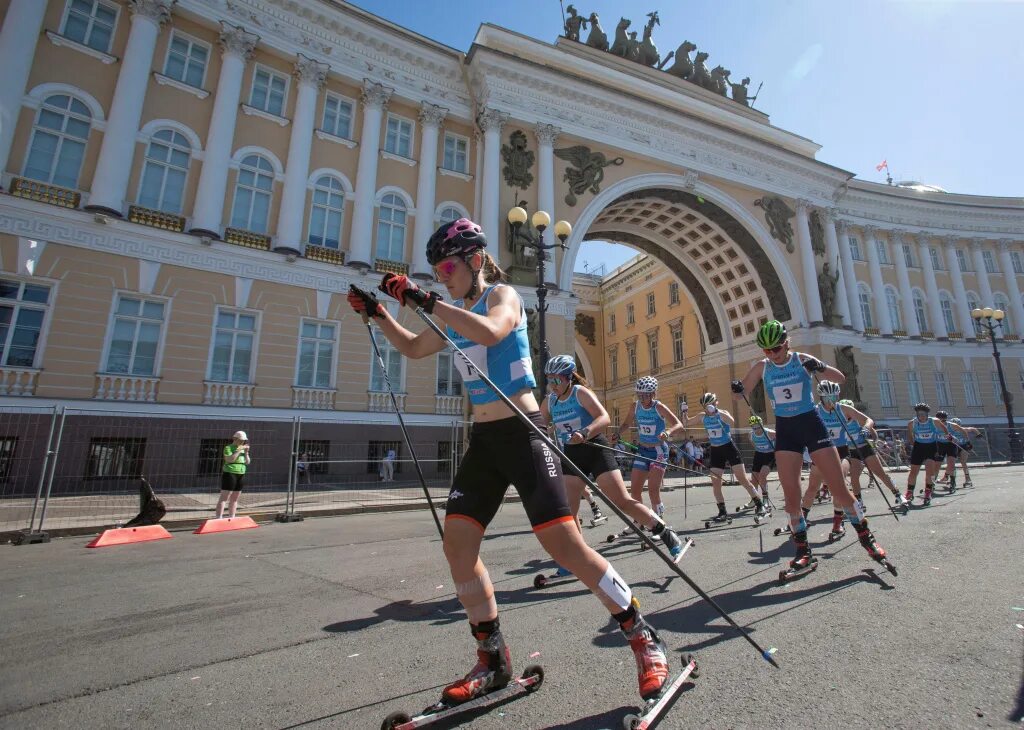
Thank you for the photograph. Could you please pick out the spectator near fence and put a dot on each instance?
(236, 460)
(387, 466)
(302, 468)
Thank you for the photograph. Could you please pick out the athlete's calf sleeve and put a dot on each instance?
(797, 523)
(477, 597)
(615, 588)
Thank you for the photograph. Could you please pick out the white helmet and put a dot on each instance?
(828, 389)
(708, 399)
(647, 384)
(560, 365)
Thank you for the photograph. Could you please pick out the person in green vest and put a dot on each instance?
(236, 460)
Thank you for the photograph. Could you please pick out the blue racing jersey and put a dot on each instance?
(719, 432)
(927, 432)
(762, 442)
(835, 423)
(568, 415)
(789, 387)
(649, 423)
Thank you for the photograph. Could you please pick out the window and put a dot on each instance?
(972, 301)
(1018, 262)
(165, 171)
(920, 313)
(855, 253)
(613, 364)
(908, 255)
(630, 315)
(611, 322)
(1000, 302)
(22, 312)
(398, 138)
(865, 307)
(58, 142)
(444, 458)
(317, 453)
(895, 315)
(186, 60)
(942, 397)
(456, 153)
(886, 390)
(8, 446)
(449, 382)
(115, 458)
(269, 89)
(91, 23)
(677, 345)
(391, 224)
(234, 339)
(673, 293)
(914, 388)
(971, 394)
(135, 336)
(947, 312)
(337, 116)
(997, 388)
(316, 355)
(933, 254)
(615, 416)
(253, 190)
(211, 457)
(392, 361)
(377, 450)
(990, 262)
(650, 305)
(652, 347)
(449, 214)
(631, 357)
(962, 261)
(326, 212)
(883, 252)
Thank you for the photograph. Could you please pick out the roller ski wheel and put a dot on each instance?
(784, 530)
(653, 708)
(745, 507)
(836, 535)
(600, 520)
(558, 577)
(793, 573)
(717, 520)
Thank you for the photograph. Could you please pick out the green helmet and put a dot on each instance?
(755, 421)
(771, 334)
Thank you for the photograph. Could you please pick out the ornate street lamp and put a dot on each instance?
(988, 320)
(540, 220)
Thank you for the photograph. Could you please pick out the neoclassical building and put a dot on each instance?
(190, 187)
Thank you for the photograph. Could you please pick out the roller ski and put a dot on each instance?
(802, 564)
(720, 519)
(784, 530)
(745, 507)
(875, 551)
(653, 708)
(762, 513)
(836, 535)
(598, 517)
(676, 548)
(557, 578)
(624, 533)
(927, 500)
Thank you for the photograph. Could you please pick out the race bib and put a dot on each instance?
(788, 393)
(834, 432)
(646, 429)
(565, 429)
(714, 433)
(478, 355)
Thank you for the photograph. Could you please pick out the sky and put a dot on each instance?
(932, 86)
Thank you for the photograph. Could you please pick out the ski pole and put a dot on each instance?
(766, 654)
(663, 464)
(401, 422)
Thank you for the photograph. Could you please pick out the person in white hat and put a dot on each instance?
(236, 460)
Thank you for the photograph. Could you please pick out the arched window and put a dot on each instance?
(253, 190)
(947, 312)
(58, 142)
(326, 212)
(1001, 302)
(449, 214)
(865, 306)
(920, 312)
(165, 172)
(391, 224)
(895, 315)
(972, 301)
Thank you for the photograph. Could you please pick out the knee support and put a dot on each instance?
(615, 588)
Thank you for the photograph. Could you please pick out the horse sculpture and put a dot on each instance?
(621, 45)
(718, 76)
(649, 55)
(700, 75)
(597, 38)
(683, 67)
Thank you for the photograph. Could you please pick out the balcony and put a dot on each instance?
(156, 219)
(953, 336)
(326, 255)
(383, 266)
(132, 388)
(44, 193)
(899, 333)
(317, 399)
(248, 239)
(216, 393)
(377, 402)
(1011, 338)
(872, 331)
(448, 405)
(18, 381)
(928, 335)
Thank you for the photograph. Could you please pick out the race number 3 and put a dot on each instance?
(788, 393)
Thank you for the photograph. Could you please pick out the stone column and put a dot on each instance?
(931, 288)
(959, 291)
(21, 30)
(981, 273)
(311, 76)
(1012, 289)
(803, 236)
(849, 274)
(110, 182)
(430, 117)
(491, 122)
(546, 136)
(903, 280)
(835, 264)
(877, 283)
(375, 98)
(236, 48)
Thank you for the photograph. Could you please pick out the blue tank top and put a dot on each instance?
(508, 364)
(856, 430)
(719, 432)
(834, 422)
(960, 438)
(762, 442)
(925, 432)
(649, 423)
(568, 415)
(789, 387)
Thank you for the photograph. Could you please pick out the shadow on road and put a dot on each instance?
(347, 710)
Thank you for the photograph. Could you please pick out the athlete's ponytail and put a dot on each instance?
(578, 379)
(492, 272)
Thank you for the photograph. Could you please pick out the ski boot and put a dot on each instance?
(837, 534)
(676, 547)
(875, 551)
(803, 563)
(761, 512)
(927, 496)
(745, 507)
(598, 517)
(493, 668)
(952, 484)
(719, 519)
(968, 483)
(651, 656)
(908, 496)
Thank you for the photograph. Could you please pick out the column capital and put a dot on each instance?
(896, 236)
(830, 214)
(870, 230)
(431, 115)
(375, 95)
(803, 205)
(842, 226)
(310, 71)
(157, 11)
(546, 133)
(234, 39)
(1004, 244)
(923, 237)
(949, 240)
(975, 244)
(491, 119)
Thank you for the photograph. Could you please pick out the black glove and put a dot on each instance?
(363, 302)
(401, 287)
(737, 387)
(813, 365)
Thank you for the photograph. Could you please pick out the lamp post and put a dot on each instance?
(988, 320)
(540, 220)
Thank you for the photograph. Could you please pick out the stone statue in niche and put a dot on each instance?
(683, 67)
(598, 38)
(518, 161)
(585, 171)
(817, 233)
(827, 283)
(573, 24)
(847, 365)
(620, 46)
(777, 215)
(586, 327)
(521, 255)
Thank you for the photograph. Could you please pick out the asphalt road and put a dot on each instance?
(335, 622)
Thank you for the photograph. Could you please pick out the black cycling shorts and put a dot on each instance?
(725, 455)
(230, 481)
(944, 449)
(507, 452)
(922, 452)
(844, 452)
(861, 452)
(591, 460)
(762, 459)
(803, 431)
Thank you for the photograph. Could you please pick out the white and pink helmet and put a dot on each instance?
(457, 238)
